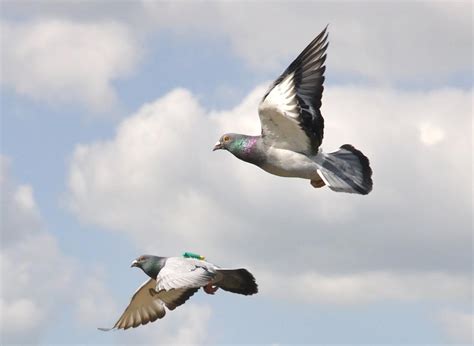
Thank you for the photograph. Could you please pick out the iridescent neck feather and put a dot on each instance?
(247, 148)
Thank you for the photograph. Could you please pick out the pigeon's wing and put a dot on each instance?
(143, 308)
(176, 297)
(290, 110)
(187, 273)
(147, 305)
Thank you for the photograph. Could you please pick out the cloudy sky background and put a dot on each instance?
(109, 113)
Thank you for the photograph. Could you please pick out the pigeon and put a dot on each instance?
(173, 280)
(292, 130)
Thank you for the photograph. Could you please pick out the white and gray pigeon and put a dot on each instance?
(172, 281)
(292, 130)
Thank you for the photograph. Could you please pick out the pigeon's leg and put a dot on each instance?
(317, 183)
(209, 289)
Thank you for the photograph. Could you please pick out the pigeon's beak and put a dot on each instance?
(134, 264)
(218, 146)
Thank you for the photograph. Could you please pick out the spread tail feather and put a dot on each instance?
(239, 281)
(346, 170)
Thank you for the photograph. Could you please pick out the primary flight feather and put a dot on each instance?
(293, 127)
(172, 281)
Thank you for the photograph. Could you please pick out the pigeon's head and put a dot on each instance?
(151, 265)
(235, 143)
(226, 141)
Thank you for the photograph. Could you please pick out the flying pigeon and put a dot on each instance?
(172, 281)
(292, 130)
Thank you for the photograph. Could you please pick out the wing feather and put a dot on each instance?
(290, 111)
(176, 297)
(143, 308)
(181, 272)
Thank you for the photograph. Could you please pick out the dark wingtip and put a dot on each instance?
(105, 329)
(366, 170)
(324, 31)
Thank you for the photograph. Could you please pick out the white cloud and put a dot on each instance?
(95, 302)
(20, 215)
(37, 279)
(457, 325)
(158, 182)
(29, 254)
(366, 287)
(430, 134)
(187, 325)
(24, 198)
(386, 41)
(193, 328)
(64, 61)
(20, 316)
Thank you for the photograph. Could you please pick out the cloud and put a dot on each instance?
(193, 326)
(387, 42)
(18, 316)
(65, 61)
(457, 325)
(158, 182)
(95, 301)
(187, 325)
(19, 210)
(367, 287)
(430, 134)
(28, 254)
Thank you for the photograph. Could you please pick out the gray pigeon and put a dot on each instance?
(172, 281)
(292, 130)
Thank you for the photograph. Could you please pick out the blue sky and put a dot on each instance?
(108, 117)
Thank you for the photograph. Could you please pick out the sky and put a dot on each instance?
(109, 112)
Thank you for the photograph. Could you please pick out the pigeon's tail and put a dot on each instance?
(237, 281)
(346, 170)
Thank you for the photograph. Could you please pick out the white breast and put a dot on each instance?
(287, 163)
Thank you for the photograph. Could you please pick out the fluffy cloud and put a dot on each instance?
(457, 325)
(430, 134)
(187, 325)
(19, 210)
(369, 287)
(158, 181)
(95, 301)
(63, 61)
(28, 255)
(386, 41)
(20, 316)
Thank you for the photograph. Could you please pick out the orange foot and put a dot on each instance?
(209, 289)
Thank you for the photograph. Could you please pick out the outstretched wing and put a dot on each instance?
(180, 272)
(290, 110)
(147, 305)
(143, 308)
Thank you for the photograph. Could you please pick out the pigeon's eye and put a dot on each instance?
(226, 138)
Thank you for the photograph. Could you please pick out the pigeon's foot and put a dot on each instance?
(317, 183)
(209, 289)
